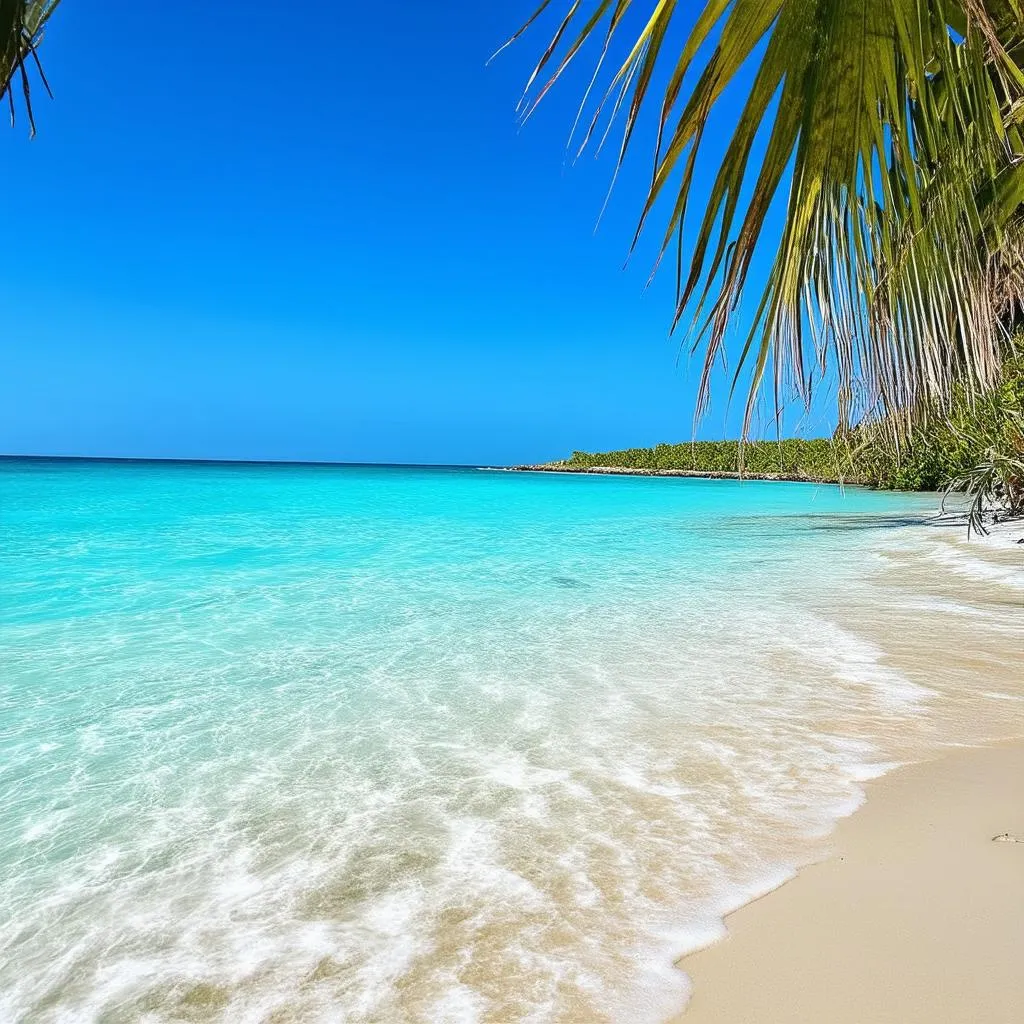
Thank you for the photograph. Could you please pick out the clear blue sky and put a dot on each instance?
(241, 234)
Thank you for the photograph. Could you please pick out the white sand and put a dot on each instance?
(917, 917)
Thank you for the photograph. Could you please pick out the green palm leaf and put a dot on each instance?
(896, 126)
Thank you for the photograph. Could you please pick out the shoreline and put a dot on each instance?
(915, 917)
(695, 474)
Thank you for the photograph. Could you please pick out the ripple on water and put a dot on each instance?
(431, 745)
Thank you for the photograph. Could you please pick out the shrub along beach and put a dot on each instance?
(977, 448)
(791, 459)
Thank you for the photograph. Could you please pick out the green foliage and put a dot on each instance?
(948, 450)
(995, 484)
(928, 462)
(817, 459)
(976, 448)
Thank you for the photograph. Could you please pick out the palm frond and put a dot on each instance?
(896, 126)
(21, 31)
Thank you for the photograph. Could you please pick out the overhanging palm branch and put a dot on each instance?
(897, 125)
(21, 29)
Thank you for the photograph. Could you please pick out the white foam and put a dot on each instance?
(458, 1005)
(857, 660)
(957, 559)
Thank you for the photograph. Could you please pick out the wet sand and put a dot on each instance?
(918, 915)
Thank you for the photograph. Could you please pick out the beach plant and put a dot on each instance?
(976, 447)
(994, 486)
(21, 31)
(974, 451)
(993, 483)
(891, 130)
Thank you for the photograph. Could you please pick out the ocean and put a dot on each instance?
(316, 743)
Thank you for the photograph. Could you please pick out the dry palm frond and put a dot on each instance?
(21, 28)
(897, 127)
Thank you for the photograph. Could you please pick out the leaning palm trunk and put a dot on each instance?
(21, 27)
(897, 126)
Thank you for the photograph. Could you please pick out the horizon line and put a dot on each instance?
(163, 460)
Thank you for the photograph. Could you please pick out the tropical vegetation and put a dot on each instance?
(892, 132)
(797, 458)
(974, 449)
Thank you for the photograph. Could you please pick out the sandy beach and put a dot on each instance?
(917, 917)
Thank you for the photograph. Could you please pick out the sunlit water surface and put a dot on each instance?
(346, 744)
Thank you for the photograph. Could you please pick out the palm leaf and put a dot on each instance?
(895, 125)
(21, 30)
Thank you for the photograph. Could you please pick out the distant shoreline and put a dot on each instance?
(699, 474)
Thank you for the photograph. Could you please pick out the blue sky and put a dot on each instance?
(243, 236)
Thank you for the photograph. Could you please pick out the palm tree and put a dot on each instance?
(896, 126)
(21, 30)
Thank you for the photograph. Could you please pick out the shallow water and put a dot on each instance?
(320, 743)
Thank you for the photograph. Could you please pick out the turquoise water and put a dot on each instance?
(374, 744)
